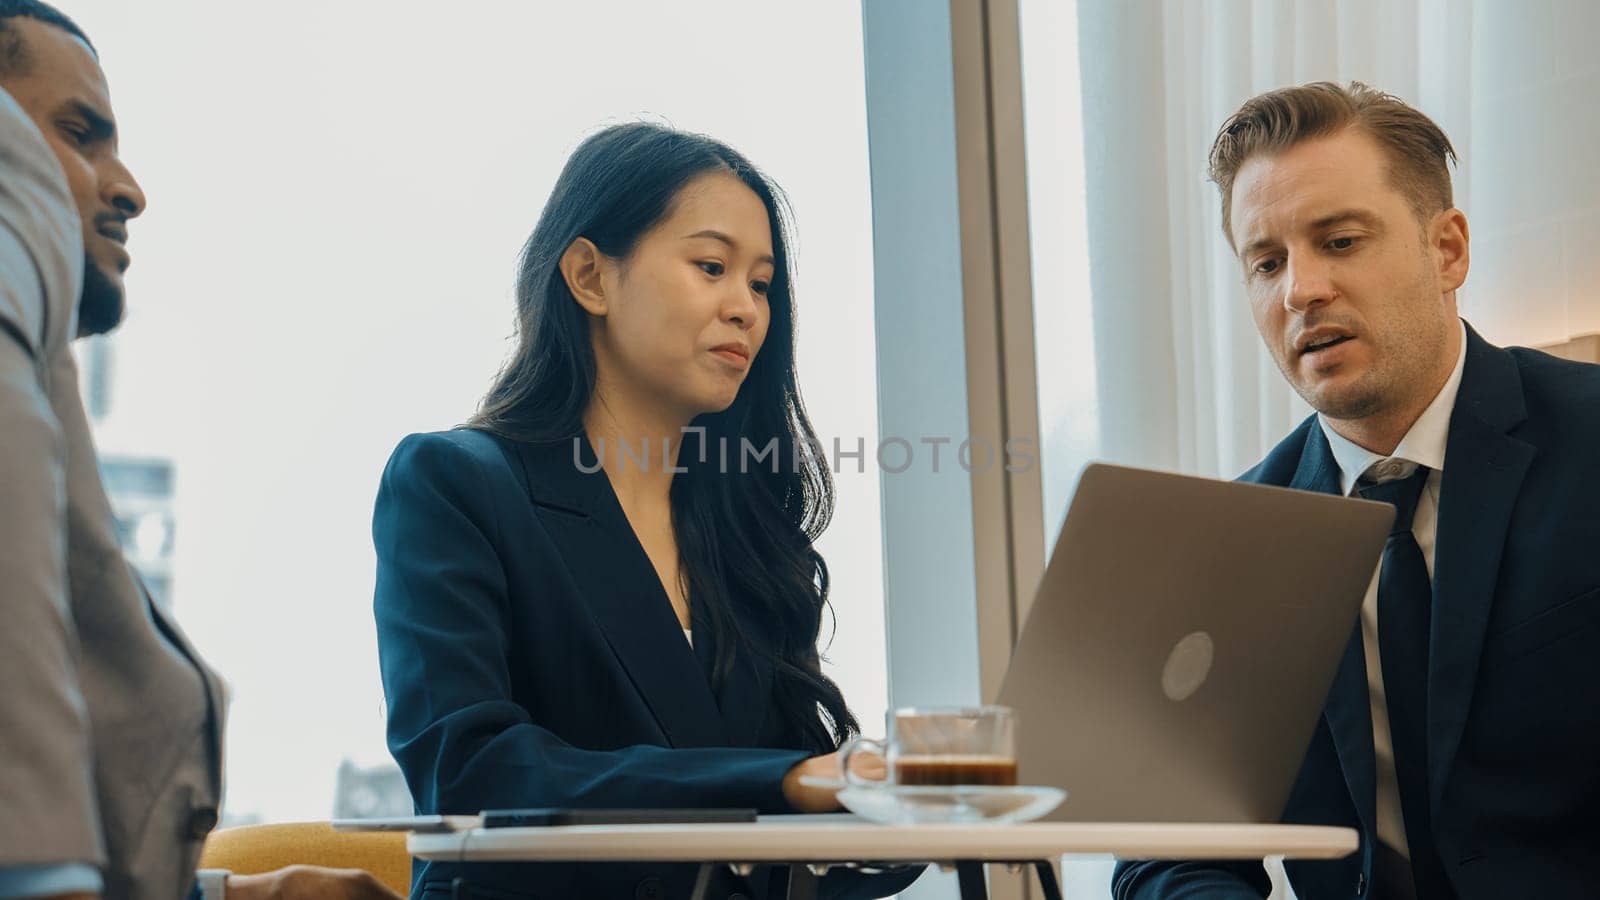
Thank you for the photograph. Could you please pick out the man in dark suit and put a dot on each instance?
(1461, 736)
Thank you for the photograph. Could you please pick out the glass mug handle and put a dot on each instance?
(849, 749)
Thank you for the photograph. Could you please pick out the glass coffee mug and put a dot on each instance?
(943, 746)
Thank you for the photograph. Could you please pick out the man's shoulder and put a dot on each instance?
(41, 250)
(1551, 380)
(1280, 464)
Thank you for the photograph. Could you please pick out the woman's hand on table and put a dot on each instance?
(813, 799)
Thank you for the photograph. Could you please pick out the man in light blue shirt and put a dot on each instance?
(110, 722)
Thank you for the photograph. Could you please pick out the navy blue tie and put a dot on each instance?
(1405, 600)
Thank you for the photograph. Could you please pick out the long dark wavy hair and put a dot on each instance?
(745, 538)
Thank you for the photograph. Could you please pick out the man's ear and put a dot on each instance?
(1451, 248)
(581, 267)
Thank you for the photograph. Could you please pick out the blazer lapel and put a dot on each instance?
(1483, 472)
(1349, 708)
(620, 586)
(1318, 470)
(746, 692)
(216, 690)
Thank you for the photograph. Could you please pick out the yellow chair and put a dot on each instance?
(252, 849)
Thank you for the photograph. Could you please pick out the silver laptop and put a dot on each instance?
(1181, 645)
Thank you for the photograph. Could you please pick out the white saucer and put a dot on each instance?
(922, 805)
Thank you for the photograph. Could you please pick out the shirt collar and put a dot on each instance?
(1423, 444)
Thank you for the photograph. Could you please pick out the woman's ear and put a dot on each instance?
(580, 266)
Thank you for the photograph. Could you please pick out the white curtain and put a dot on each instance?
(1534, 190)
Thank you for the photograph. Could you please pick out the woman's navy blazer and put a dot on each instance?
(531, 658)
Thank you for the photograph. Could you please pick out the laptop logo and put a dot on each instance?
(1187, 666)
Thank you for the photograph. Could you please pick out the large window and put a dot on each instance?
(1063, 319)
(1069, 420)
(337, 200)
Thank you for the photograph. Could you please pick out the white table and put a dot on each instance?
(807, 841)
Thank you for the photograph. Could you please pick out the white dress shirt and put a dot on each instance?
(1423, 445)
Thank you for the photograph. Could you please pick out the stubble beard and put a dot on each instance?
(1403, 366)
(100, 304)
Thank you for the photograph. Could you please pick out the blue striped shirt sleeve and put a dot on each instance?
(17, 882)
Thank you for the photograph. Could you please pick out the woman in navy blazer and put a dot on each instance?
(603, 591)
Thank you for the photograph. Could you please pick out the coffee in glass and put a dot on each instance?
(944, 746)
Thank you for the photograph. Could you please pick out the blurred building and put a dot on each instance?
(370, 793)
(140, 489)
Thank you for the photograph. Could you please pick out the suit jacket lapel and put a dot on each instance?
(620, 586)
(1318, 470)
(1349, 708)
(745, 694)
(216, 691)
(1483, 472)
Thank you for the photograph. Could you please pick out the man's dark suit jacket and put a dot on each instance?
(530, 658)
(1514, 670)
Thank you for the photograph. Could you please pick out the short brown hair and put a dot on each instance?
(1277, 120)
